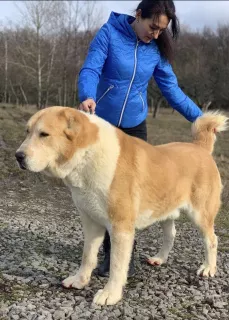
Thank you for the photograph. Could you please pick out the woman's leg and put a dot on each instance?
(139, 131)
(103, 269)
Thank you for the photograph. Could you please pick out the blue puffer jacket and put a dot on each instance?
(116, 73)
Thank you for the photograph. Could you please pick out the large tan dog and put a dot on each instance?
(120, 183)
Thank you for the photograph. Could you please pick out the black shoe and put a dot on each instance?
(104, 268)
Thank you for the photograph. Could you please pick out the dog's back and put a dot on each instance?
(163, 178)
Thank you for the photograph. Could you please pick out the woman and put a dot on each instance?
(125, 53)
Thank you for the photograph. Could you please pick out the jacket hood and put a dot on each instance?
(122, 23)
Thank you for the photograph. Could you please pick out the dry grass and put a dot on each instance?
(169, 127)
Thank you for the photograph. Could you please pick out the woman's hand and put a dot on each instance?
(88, 105)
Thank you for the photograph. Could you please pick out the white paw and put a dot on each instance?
(155, 261)
(107, 297)
(206, 271)
(76, 281)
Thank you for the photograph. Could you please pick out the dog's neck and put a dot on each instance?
(76, 171)
(97, 162)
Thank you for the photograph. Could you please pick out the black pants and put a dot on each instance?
(139, 131)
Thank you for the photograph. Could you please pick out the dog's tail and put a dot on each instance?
(204, 129)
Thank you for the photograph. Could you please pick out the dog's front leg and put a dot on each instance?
(93, 237)
(121, 248)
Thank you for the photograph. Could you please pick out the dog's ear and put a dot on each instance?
(71, 131)
(72, 124)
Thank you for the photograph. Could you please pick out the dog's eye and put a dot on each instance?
(27, 131)
(44, 134)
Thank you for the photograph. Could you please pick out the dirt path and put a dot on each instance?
(41, 243)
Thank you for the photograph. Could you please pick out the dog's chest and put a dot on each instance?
(91, 202)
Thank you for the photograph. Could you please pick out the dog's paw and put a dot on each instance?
(77, 282)
(206, 271)
(107, 297)
(155, 261)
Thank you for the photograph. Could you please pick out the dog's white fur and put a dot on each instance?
(120, 183)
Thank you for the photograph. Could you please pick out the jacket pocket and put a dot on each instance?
(143, 103)
(103, 95)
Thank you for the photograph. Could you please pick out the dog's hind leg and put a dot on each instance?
(169, 233)
(93, 237)
(206, 225)
(203, 214)
(208, 268)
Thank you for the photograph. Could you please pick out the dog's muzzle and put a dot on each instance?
(20, 156)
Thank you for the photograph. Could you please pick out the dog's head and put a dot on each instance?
(54, 135)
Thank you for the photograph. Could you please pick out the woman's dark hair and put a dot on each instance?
(153, 9)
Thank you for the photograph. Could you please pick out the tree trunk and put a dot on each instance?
(66, 53)
(38, 69)
(206, 105)
(50, 72)
(151, 106)
(6, 72)
(157, 107)
(59, 97)
(24, 95)
(14, 93)
(65, 86)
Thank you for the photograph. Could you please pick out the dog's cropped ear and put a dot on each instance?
(72, 124)
(72, 128)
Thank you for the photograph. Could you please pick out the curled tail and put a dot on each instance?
(204, 129)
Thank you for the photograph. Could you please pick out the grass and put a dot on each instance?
(12, 131)
(11, 292)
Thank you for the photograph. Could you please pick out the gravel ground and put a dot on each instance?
(41, 243)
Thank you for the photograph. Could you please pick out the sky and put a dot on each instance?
(195, 14)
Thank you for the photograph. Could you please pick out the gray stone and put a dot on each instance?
(220, 304)
(15, 317)
(59, 315)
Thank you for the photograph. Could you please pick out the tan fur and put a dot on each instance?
(205, 128)
(120, 183)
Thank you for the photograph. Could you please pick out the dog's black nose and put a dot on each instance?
(20, 156)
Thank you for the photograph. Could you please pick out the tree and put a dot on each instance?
(41, 57)
(43, 17)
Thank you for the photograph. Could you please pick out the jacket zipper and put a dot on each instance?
(105, 93)
(143, 103)
(128, 92)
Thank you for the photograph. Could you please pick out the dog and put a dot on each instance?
(121, 183)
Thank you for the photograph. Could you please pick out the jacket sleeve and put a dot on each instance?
(167, 83)
(91, 70)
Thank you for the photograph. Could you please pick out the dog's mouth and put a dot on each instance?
(22, 165)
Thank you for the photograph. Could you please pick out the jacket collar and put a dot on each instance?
(122, 22)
